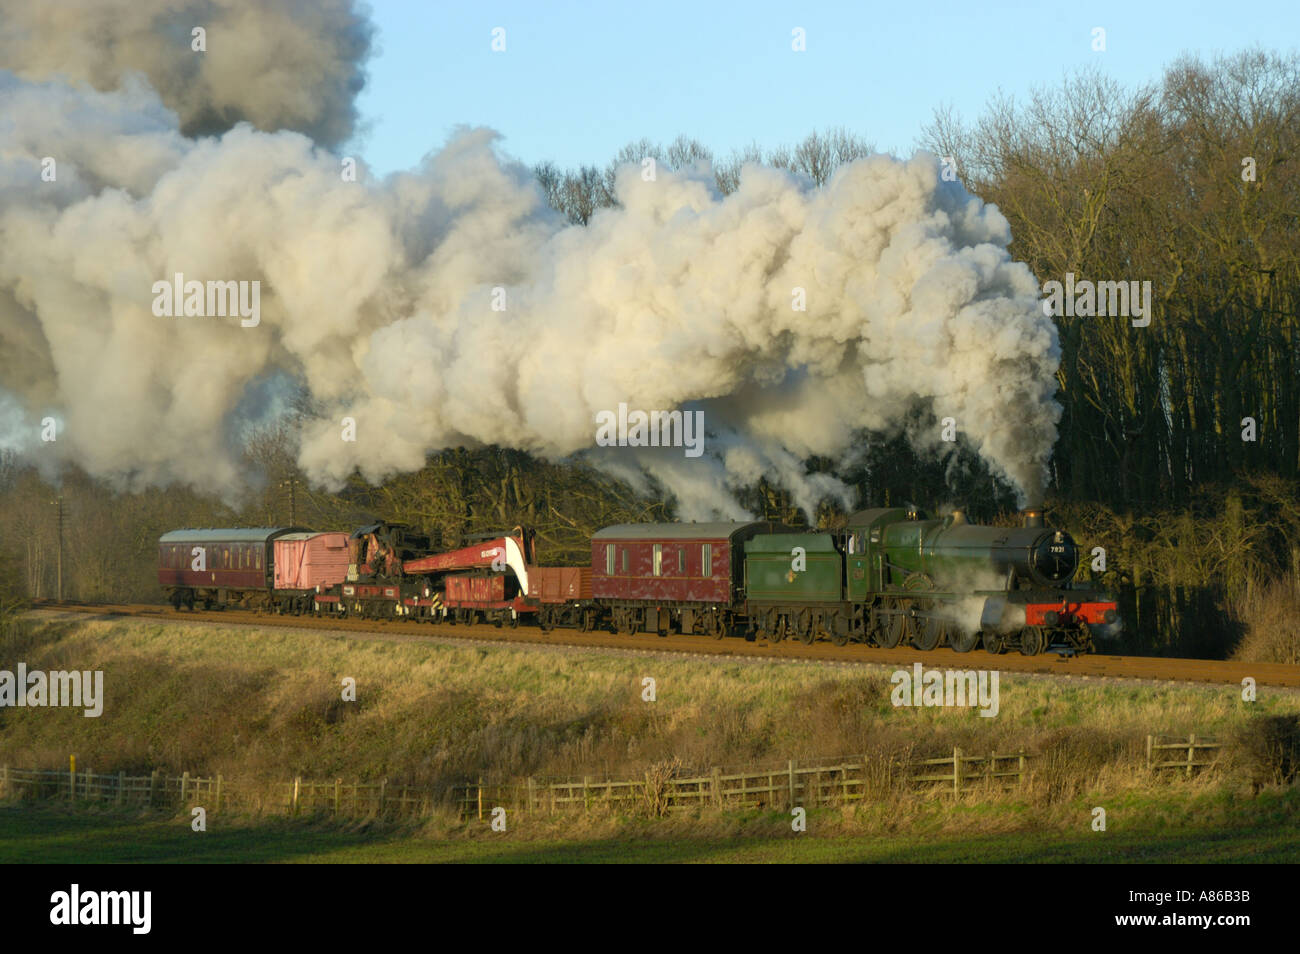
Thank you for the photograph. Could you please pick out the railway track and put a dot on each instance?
(1099, 666)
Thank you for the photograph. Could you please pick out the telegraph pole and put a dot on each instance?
(292, 484)
(59, 503)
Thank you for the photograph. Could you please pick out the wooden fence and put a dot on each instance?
(1157, 745)
(655, 793)
(794, 784)
(810, 785)
(215, 794)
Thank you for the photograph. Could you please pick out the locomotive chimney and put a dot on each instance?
(1032, 516)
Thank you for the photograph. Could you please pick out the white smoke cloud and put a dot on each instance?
(277, 64)
(377, 299)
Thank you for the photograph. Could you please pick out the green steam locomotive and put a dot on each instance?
(893, 576)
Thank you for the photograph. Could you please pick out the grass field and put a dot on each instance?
(209, 699)
(267, 705)
(1139, 830)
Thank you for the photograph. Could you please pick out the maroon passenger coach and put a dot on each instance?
(218, 566)
(655, 577)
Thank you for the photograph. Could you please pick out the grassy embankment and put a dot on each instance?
(266, 704)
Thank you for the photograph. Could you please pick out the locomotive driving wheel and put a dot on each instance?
(928, 633)
(994, 643)
(892, 628)
(962, 640)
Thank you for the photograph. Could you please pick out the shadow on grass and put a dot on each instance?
(66, 836)
(52, 835)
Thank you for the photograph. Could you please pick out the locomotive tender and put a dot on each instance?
(890, 576)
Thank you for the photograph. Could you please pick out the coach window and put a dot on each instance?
(257, 559)
(681, 561)
(609, 559)
(659, 559)
(706, 560)
(624, 552)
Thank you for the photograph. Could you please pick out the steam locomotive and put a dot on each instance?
(890, 576)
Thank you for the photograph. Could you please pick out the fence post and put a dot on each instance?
(1191, 753)
(1022, 768)
(153, 788)
(790, 768)
(293, 804)
(480, 798)
(121, 787)
(72, 778)
(586, 797)
(185, 784)
(717, 787)
(218, 808)
(383, 790)
(956, 770)
(338, 785)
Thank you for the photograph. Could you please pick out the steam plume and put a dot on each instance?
(377, 298)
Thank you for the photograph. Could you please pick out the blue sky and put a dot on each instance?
(579, 80)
